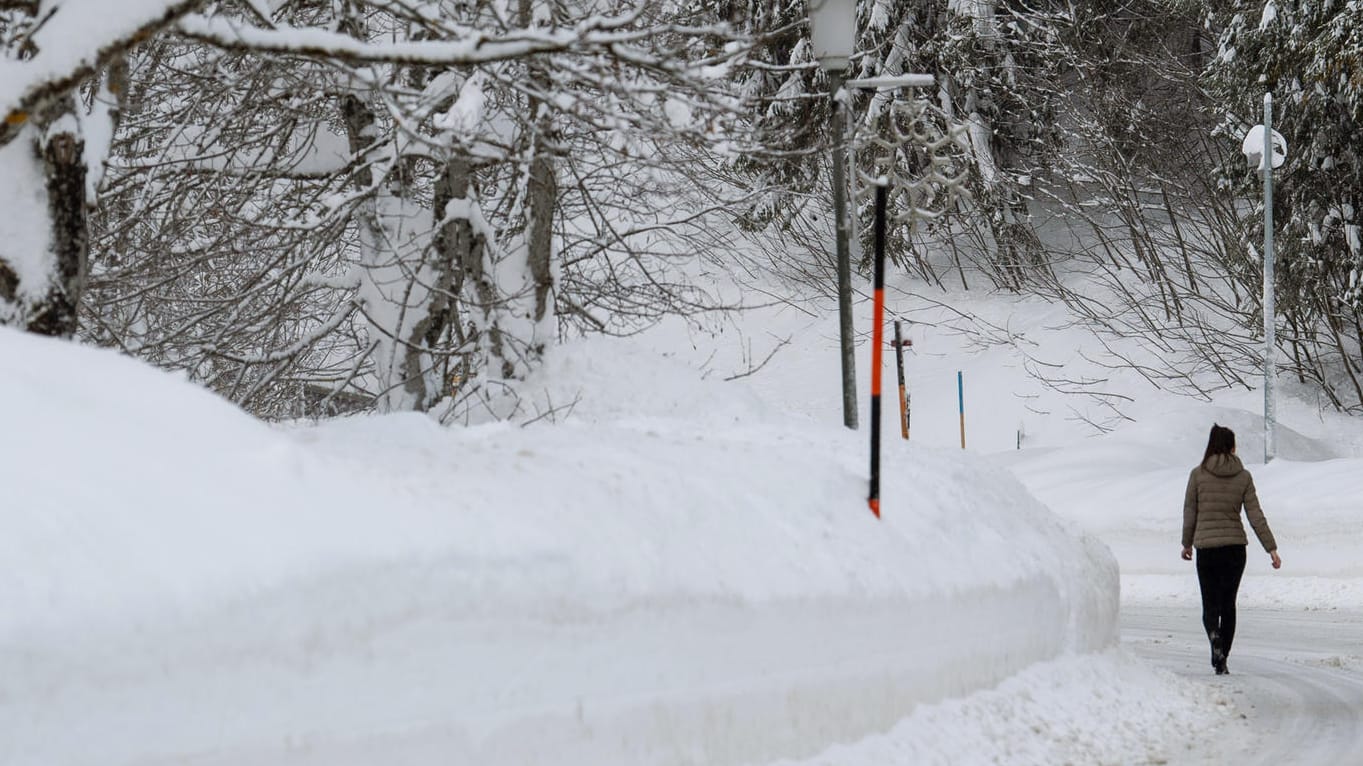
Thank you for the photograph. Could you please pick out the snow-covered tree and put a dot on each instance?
(431, 193)
(787, 98)
(62, 80)
(1309, 55)
(994, 84)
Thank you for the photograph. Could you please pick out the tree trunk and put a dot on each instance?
(542, 193)
(58, 150)
(405, 284)
(456, 244)
(63, 152)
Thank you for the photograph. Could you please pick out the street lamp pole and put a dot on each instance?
(833, 30)
(1266, 149)
(843, 234)
(1270, 341)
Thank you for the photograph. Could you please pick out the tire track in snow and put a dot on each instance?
(1295, 677)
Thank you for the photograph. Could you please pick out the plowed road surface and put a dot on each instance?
(1296, 678)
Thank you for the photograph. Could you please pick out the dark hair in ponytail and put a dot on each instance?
(1221, 441)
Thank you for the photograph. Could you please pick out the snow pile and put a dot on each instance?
(615, 588)
(1057, 712)
(129, 492)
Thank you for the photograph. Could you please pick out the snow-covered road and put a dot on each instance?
(1296, 678)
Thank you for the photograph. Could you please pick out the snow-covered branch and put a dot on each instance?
(471, 46)
(70, 49)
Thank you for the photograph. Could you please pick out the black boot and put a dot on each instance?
(1218, 654)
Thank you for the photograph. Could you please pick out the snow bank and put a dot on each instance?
(129, 491)
(1105, 708)
(186, 585)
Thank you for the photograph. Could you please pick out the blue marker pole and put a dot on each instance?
(960, 400)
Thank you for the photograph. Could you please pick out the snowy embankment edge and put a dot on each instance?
(645, 592)
(835, 624)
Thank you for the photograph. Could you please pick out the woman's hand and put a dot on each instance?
(1188, 554)
(1277, 562)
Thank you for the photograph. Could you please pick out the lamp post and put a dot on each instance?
(833, 29)
(1266, 149)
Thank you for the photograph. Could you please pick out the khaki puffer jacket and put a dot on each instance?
(1211, 506)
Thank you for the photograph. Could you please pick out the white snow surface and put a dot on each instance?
(1071, 702)
(607, 589)
(672, 568)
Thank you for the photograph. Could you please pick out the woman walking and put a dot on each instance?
(1217, 488)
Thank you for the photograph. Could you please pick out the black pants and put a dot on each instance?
(1218, 573)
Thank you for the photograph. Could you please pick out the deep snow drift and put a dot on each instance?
(697, 586)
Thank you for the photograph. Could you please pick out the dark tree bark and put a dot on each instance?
(63, 152)
(542, 191)
(453, 240)
(462, 242)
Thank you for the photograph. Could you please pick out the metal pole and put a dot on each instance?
(899, 344)
(877, 340)
(849, 366)
(960, 402)
(1270, 341)
(908, 412)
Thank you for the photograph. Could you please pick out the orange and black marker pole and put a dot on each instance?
(877, 341)
(899, 345)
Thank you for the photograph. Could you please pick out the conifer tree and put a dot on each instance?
(1309, 55)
